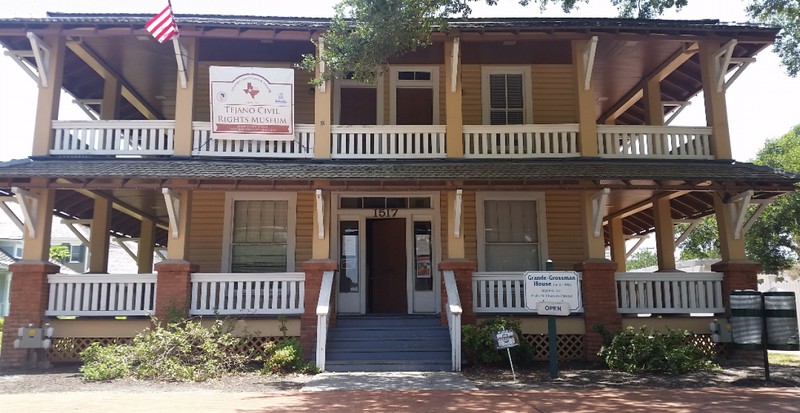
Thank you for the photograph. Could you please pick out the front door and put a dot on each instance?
(386, 265)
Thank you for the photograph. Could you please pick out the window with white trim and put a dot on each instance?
(260, 233)
(511, 232)
(75, 253)
(506, 95)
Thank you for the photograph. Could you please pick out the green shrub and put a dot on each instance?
(286, 356)
(478, 343)
(180, 351)
(647, 350)
(1, 324)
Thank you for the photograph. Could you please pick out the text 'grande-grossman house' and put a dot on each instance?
(507, 146)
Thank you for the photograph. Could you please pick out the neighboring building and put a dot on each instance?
(507, 146)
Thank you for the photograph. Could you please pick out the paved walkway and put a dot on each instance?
(445, 392)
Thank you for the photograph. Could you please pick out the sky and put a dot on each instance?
(760, 102)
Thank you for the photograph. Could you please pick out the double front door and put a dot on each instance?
(386, 265)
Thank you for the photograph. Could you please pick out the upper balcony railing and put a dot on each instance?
(521, 141)
(157, 138)
(388, 141)
(666, 142)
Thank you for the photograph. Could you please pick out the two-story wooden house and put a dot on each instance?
(509, 146)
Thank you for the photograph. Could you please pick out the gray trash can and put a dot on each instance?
(780, 310)
(747, 325)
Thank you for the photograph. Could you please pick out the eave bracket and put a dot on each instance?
(181, 59)
(28, 203)
(599, 202)
(454, 64)
(457, 213)
(588, 60)
(320, 214)
(41, 52)
(173, 200)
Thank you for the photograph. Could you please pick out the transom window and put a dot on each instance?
(372, 202)
(511, 232)
(506, 96)
(260, 234)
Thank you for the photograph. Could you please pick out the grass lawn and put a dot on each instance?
(785, 359)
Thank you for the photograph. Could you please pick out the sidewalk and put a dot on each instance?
(434, 392)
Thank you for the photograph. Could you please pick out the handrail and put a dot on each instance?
(388, 141)
(113, 137)
(665, 142)
(454, 312)
(323, 317)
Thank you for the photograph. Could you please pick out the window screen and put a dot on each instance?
(260, 236)
(511, 236)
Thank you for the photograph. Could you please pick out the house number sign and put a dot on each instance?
(384, 212)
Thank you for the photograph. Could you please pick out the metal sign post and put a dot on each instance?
(552, 310)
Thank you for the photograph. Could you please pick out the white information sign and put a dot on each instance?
(545, 308)
(252, 103)
(552, 287)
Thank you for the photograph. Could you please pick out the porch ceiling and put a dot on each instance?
(628, 52)
(135, 184)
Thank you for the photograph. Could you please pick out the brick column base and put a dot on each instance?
(308, 321)
(462, 269)
(28, 298)
(599, 293)
(173, 289)
(739, 275)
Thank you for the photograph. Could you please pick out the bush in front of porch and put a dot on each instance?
(479, 347)
(647, 350)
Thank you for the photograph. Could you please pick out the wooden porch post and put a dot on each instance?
(184, 100)
(586, 102)
(49, 97)
(174, 274)
(716, 106)
(665, 238)
(321, 248)
(323, 97)
(112, 91)
(454, 118)
(654, 111)
(98, 236)
(618, 250)
(146, 247)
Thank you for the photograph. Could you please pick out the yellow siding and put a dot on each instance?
(553, 94)
(470, 226)
(205, 231)
(471, 94)
(443, 212)
(564, 229)
(305, 228)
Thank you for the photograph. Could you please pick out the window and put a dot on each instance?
(511, 232)
(260, 233)
(75, 253)
(506, 96)
(17, 252)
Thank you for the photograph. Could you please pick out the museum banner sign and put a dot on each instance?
(252, 103)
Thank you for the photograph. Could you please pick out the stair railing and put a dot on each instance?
(323, 317)
(453, 318)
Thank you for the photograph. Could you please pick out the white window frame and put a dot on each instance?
(18, 251)
(227, 235)
(395, 83)
(527, 90)
(541, 221)
(338, 84)
(72, 260)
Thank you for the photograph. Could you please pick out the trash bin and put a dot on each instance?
(780, 310)
(747, 325)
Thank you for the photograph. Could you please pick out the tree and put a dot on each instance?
(702, 242)
(365, 34)
(784, 14)
(59, 252)
(642, 259)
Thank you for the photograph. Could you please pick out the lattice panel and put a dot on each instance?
(570, 346)
(68, 349)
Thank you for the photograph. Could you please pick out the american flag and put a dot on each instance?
(163, 26)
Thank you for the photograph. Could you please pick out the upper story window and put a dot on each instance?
(511, 231)
(506, 95)
(259, 233)
(75, 253)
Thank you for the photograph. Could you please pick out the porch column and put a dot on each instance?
(665, 237)
(452, 69)
(462, 269)
(184, 100)
(98, 236)
(29, 296)
(654, 111)
(715, 104)
(112, 91)
(323, 97)
(738, 275)
(586, 102)
(308, 321)
(618, 249)
(599, 292)
(146, 247)
(173, 289)
(49, 97)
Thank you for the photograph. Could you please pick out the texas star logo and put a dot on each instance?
(250, 90)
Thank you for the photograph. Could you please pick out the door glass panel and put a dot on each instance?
(348, 261)
(423, 271)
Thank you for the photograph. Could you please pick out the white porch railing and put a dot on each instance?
(664, 142)
(113, 137)
(300, 147)
(454, 311)
(247, 294)
(669, 293)
(521, 141)
(323, 317)
(388, 141)
(101, 295)
(498, 292)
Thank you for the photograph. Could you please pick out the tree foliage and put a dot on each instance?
(59, 252)
(365, 34)
(702, 242)
(641, 259)
(784, 14)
